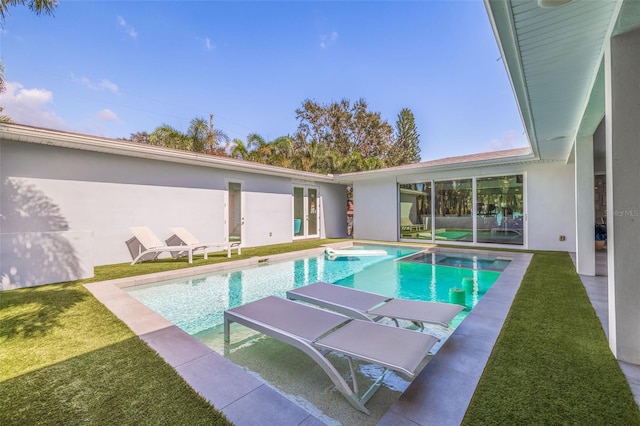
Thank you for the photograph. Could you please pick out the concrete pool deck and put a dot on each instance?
(439, 395)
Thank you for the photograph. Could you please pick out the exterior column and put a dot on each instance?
(622, 115)
(585, 221)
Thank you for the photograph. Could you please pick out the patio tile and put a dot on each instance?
(176, 346)
(492, 307)
(503, 292)
(479, 326)
(218, 379)
(312, 421)
(464, 354)
(265, 406)
(631, 371)
(439, 397)
(395, 419)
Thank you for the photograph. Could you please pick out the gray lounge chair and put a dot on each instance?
(317, 331)
(371, 306)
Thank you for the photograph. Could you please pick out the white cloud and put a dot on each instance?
(208, 44)
(107, 85)
(510, 139)
(327, 40)
(131, 32)
(102, 85)
(107, 115)
(30, 106)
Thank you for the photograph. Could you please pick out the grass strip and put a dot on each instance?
(552, 363)
(66, 359)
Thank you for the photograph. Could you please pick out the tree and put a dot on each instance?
(338, 130)
(239, 150)
(37, 6)
(200, 137)
(169, 137)
(260, 149)
(3, 118)
(140, 137)
(406, 149)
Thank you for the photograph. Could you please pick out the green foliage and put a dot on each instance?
(334, 138)
(37, 6)
(406, 149)
(552, 363)
(3, 118)
(200, 137)
(342, 130)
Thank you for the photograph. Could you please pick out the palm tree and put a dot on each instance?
(239, 150)
(261, 150)
(199, 134)
(169, 137)
(37, 6)
(282, 151)
(3, 118)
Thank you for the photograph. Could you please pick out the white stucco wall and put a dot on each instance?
(551, 207)
(549, 202)
(375, 210)
(85, 203)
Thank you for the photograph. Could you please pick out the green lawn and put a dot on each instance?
(65, 359)
(552, 363)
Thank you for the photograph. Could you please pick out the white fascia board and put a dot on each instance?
(27, 134)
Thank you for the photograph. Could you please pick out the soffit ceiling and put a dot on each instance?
(553, 56)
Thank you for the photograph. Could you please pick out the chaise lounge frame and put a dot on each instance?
(181, 236)
(316, 332)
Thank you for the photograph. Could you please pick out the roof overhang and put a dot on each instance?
(21, 133)
(474, 161)
(553, 58)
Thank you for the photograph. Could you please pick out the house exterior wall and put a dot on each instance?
(551, 207)
(375, 210)
(66, 210)
(549, 202)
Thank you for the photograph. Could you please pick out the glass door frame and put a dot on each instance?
(308, 204)
(227, 207)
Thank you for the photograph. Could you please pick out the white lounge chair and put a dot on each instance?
(317, 331)
(371, 306)
(182, 237)
(407, 225)
(335, 253)
(145, 245)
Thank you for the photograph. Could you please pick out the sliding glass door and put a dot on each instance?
(500, 209)
(481, 210)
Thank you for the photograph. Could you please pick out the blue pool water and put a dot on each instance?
(197, 304)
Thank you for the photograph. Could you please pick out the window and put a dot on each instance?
(498, 210)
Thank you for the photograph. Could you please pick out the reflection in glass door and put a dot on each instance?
(305, 211)
(234, 213)
(312, 212)
(298, 212)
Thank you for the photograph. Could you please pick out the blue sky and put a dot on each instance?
(111, 68)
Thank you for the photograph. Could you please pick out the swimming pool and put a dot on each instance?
(197, 304)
